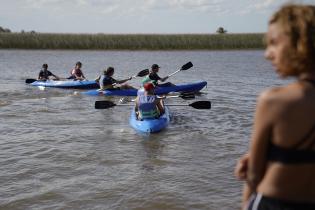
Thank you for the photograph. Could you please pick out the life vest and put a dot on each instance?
(147, 107)
(106, 82)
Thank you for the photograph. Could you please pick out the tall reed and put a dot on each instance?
(131, 41)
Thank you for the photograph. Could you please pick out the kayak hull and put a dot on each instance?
(67, 84)
(149, 125)
(190, 87)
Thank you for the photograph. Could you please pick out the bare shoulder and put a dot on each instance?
(270, 96)
(284, 94)
(281, 99)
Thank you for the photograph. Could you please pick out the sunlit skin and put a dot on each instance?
(284, 115)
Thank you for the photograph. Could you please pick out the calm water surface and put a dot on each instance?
(58, 152)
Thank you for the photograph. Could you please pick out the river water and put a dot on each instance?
(58, 152)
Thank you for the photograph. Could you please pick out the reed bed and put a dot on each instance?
(131, 41)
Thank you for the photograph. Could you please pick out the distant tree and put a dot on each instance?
(221, 30)
(33, 32)
(22, 31)
(4, 30)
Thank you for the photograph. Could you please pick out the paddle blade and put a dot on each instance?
(104, 104)
(29, 81)
(187, 66)
(143, 73)
(187, 96)
(201, 105)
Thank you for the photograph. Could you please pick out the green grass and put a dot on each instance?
(131, 41)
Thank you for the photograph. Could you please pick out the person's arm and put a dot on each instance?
(163, 79)
(39, 76)
(157, 77)
(240, 173)
(55, 76)
(97, 80)
(262, 131)
(83, 75)
(122, 81)
(137, 104)
(158, 103)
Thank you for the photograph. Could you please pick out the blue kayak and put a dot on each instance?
(149, 125)
(85, 84)
(190, 87)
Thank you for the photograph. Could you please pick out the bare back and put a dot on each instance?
(291, 116)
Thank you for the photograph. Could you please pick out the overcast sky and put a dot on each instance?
(138, 16)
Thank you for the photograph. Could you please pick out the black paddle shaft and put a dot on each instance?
(196, 104)
(28, 81)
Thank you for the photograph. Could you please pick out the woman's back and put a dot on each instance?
(290, 173)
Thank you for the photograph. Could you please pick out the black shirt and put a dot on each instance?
(154, 76)
(108, 81)
(44, 74)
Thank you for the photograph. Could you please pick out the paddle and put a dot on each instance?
(142, 73)
(185, 96)
(28, 81)
(196, 104)
(183, 68)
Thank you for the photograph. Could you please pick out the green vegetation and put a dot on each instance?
(131, 41)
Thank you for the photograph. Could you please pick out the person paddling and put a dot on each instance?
(153, 77)
(106, 80)
(149, 105)
(76, 73)
(44, 74)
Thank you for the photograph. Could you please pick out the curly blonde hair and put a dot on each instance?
(298, 22)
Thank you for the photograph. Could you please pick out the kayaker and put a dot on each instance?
(76, 73)
(106, 80)
(149, 105)
(279, 168)
(44, 74)
(153, 77)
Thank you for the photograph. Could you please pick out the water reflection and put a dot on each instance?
(153, 149)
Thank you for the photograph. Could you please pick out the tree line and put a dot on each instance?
(220, 30)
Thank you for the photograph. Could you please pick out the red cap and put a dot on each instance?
(148, 86)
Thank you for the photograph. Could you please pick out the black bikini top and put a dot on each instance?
(294, 155)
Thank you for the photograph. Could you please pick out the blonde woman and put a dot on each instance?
(279, 168)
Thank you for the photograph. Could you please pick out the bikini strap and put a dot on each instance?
(312, 81)
(308, 135)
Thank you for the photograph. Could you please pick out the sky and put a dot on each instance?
(139, 16)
